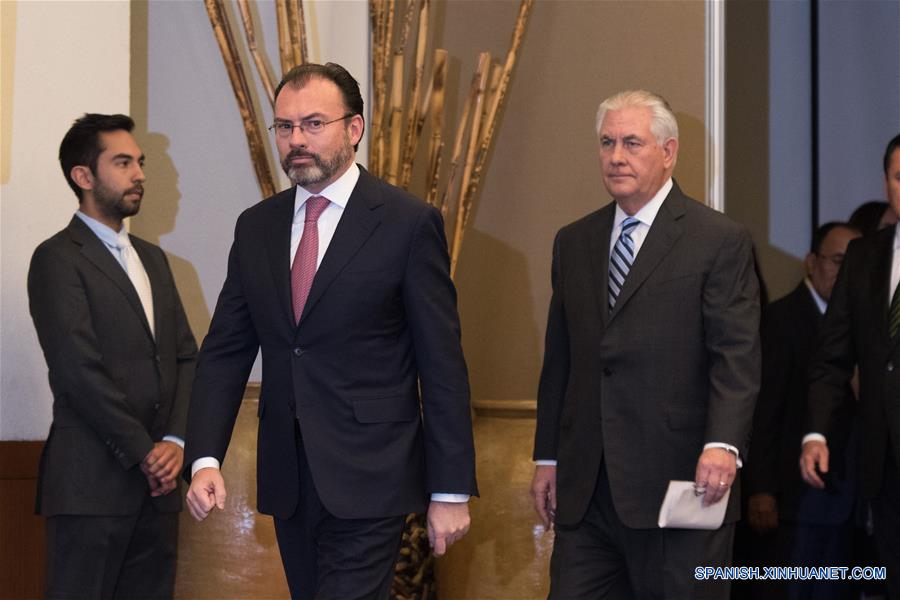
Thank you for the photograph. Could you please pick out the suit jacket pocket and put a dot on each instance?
(385, 410)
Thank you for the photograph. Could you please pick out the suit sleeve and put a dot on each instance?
(223, 366)
(185, 363)
(831, 366)
(79, 378)
(430, 301)
(730, 307)
(555, 370)
(764, 461)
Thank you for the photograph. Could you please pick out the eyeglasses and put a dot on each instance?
(836, 259)
(285, 129)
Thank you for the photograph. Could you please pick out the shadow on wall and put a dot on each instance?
(500, 328)
(159, 211)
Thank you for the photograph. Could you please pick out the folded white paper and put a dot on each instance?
(683, 509)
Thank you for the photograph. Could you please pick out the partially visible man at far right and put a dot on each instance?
(810, 527)
(862, 327)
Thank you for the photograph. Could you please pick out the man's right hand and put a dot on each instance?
(207, 492)
(762, 512)
(813, 461)
(543, 491)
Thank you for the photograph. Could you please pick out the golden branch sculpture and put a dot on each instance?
(393, 148)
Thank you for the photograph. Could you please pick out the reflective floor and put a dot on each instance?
(233, 554)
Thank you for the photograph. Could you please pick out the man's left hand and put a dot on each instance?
(163, 462)
(448, 522)
(716, 470)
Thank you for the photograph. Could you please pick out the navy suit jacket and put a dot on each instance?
(373, 373)
(855, 332)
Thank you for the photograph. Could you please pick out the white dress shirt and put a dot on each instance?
(338, 193)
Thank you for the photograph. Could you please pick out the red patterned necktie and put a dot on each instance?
(304, 267)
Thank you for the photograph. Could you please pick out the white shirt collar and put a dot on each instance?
(338, 192)
(647, 213)
(106, 233)
(821, 304)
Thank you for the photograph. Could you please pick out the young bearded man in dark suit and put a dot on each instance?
(121, 360)
(343, 282)
(651, 370)
(862, 329)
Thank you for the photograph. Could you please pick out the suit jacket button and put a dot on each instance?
(890, 367)
(157, 359)
(156, 406)
(298, 351)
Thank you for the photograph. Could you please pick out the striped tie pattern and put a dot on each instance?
(621, 260)
(894, 314)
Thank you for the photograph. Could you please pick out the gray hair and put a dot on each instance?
(663, 124)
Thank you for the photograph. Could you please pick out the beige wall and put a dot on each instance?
(544, 172)
(747, 141)
(60, 60)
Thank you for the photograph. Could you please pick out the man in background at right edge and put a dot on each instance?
(862, 328)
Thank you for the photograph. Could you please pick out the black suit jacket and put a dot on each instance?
(855, 331)
(380, 325)
(790, 327)
(116, 389)
(675, 365)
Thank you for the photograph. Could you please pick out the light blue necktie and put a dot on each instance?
(621, 260)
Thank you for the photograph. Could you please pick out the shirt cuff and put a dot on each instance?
(813, 437)
(175, 440)
(455, 498)
(729, 448)
(545, 462)
(203, 463)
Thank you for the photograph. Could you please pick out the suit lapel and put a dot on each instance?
(96, 252)
(361, 217)
(278, 248)
(599, 252)
(663, 234)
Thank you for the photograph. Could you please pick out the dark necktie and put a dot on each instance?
(303, 269)
(894, 314)
(621, 260)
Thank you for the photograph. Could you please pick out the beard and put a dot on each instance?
(113, 203)
(321, 170)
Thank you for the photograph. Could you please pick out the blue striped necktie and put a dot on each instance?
(621, 260)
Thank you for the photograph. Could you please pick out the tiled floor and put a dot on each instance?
(233, 555)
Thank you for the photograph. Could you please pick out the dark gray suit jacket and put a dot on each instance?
(675, 365)
(116, 390)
